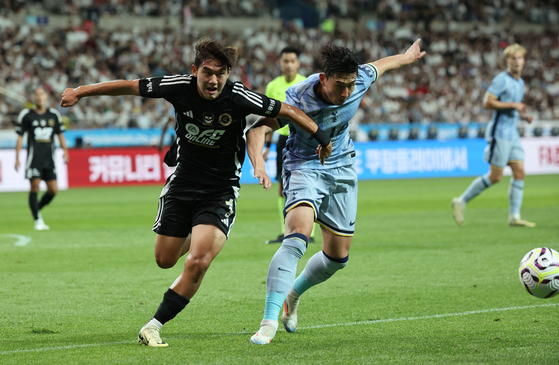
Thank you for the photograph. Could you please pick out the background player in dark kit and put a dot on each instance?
(40, 124)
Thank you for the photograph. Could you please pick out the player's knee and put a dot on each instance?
(519, 175)
(495, 178)
(198, 264)
(52, 192)
(164, 260)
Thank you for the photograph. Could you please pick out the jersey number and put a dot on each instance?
(43, 134)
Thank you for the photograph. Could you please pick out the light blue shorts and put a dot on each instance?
(332, 193)
(499, 152)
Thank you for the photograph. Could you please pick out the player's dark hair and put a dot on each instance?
(338, 60)
(290, 49)
(209, 49)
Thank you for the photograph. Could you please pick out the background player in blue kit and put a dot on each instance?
(504, 96)
(325, 193)
(41, 125)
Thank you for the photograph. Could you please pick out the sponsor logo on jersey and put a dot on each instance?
(208, 137)
(35, 123)
(208, 118)
(43, 123)
(225, 119)
(51, 122)
(192, 129)
(188, 114)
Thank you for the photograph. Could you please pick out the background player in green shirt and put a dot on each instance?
(289, 63)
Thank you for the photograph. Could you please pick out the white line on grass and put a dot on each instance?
(434, 316)
(21, 240)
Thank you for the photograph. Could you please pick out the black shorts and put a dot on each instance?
(184, 204)
(279, 156)
(46, 174)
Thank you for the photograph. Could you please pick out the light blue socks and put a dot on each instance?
(281, 273)
(476, 187)
(319, 268)
(516, 193)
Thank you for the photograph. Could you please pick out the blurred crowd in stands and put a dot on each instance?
(536, 11)
(448, 85)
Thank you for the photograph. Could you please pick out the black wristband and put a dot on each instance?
(321, 137)
(268, 144)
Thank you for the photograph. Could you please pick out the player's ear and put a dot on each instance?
(194, 71)
(322, 78)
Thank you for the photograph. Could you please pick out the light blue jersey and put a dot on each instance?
(504, 122)
(300, 151)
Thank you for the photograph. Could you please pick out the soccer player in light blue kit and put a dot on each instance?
(503, 148)
(318, 190)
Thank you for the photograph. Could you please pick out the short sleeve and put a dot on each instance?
(20, 127)
(497, 86)
(168, 87)
(369, 73)
(59, 127)
(253, 102)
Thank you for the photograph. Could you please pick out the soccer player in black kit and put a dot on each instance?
(40, 124)
(197, 206)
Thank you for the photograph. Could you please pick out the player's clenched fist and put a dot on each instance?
(69, 97)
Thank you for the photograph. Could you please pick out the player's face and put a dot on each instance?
(515, 63)
(289, 63)
(40, 97)
(338, 88)
(211, 77)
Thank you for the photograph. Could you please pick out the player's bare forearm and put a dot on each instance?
(413, 54)
(112, 88)
(255, 143)
(298, 117)
(491, 102)
(19, 143)
(62, 141)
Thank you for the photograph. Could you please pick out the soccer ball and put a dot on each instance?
(539, 272)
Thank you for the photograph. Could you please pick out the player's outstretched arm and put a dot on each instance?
(413, 54)
(118, 87)
(255, 143)
(298, 117)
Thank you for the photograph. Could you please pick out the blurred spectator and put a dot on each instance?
(447, 86)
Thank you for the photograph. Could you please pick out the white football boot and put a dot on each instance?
(289, 315)
(40, 225)
(149, 335)
(519, 222)
(458, 208)
(266, 333)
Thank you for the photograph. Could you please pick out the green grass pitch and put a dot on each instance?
(418, 289)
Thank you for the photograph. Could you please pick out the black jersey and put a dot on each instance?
(40, 129)
(210, 133)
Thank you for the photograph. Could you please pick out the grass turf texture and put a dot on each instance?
(79, 293)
